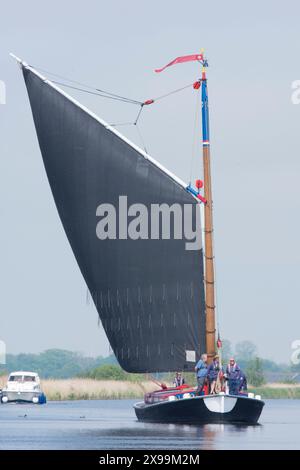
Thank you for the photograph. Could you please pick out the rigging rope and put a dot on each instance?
(195, 139)
(173, 92)
(141, 137)
(131, 123)
(108, 93)
(217, 292)
(97, 93)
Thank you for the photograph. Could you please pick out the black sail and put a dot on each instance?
(149, 293)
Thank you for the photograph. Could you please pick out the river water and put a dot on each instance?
(111, 424)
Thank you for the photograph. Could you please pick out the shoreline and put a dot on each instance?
(270, 391)
(91, 389)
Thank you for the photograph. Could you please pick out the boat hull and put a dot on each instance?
(202, 410)
(23, 397)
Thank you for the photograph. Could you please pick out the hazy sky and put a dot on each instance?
(253, 50)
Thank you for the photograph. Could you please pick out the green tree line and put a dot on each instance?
(63, 364)
(54, 363)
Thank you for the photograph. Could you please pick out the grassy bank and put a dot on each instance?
(273, 391)
(90, 389)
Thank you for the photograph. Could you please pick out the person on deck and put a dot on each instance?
(178, 380)
(243, 383)
(235, 377)
(201, 371)
(213, 373)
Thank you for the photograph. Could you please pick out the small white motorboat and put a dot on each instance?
(23, 387)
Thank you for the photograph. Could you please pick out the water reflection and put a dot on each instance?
(159, 436)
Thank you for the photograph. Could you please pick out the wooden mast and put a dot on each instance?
(208, 226)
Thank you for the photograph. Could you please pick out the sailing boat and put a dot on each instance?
(156, 306)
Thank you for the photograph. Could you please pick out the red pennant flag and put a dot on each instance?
(180, 60)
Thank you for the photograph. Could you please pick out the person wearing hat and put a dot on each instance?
(213, 372)
(234, 376)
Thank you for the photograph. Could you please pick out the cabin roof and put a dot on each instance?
(22, 372)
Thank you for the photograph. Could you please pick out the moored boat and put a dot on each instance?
(23, 386)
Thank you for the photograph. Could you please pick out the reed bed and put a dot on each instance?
(271, 391)
(3, 380)
(90, 389)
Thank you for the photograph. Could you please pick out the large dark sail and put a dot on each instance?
(149, 293)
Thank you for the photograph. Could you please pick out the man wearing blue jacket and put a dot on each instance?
(201, 371)
(243, 383)
(213, 372)
(234, 376)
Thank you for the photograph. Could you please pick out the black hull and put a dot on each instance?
(202, 410)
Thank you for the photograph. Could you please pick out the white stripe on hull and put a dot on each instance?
(220, 403)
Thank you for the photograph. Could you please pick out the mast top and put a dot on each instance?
(204, 63)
